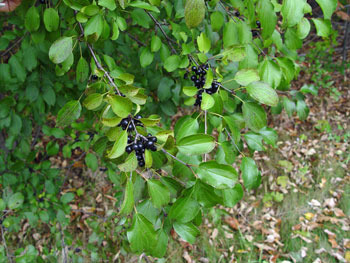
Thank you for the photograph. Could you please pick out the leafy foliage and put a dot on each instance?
(95, 63)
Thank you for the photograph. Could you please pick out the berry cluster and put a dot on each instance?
(138, 143)
(199, 80)
(129, 122)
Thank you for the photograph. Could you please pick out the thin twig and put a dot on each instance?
(232, 140)
(65, 257)
(136, 40)
(180, 161)
(5, 245)
(37, 133)
(13, 45)
(98, 65)
(168, 39)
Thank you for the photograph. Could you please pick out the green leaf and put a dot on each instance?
(128, 202)
(328, 7)
(189, 127)
(219, 176)
(230, 35)
(254, 141)
(122, 23)
(69, 113)
(196, 144)
(172, 63)
(184, 209)
(292, 11)
(51, 19)
(94, 26)
(267, 18)
(216, 20)
(204, 43)
(190, 91)
(246, 76)
(61, 49)
(148, 159)
(303, 28)
(156, 43)
(110, 4)
(162, 244)
(205, 194)
(270, 136)
(141, 235)
(91, 161)
(119, 146)
(17, 68)
(250, 173)
(160, 194)
(144, 5)
(32, 19)
(146, 57)
(254, 116)
(263, 93)
(234, 128)
(187, 232)
(194, 12)
(120, 105)
(232, 196)
(270, 73)
(207, 101)
(93, 101)
(66, 198)
(302, 110)
(323, 27)
(2, 204)
(15, 201)
(130, 163)
(289, 106)
(82, 72)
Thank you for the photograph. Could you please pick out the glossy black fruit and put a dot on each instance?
(193, 77)
(141, 163)
(138, 116)
(153, 139)
(139, 157)
(93, 77)
(154, 148)
(128, 149)
(135, 146)
(124, 122)
(258, 23)
(194, 68)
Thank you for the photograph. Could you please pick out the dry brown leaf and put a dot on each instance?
(333, 242)
(232, 222)
(338, 212)
(343, 15)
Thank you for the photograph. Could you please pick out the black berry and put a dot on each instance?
(258, 23)
(93, 77)
(194, 68)
(128, 149)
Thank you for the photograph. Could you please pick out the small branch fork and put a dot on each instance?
(177, 159)
(168, 39)
(98, 65)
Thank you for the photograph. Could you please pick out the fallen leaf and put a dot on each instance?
(232, 222)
